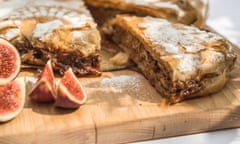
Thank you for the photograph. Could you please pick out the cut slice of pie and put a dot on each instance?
(63, 31)
(183, 11)
(180, 61)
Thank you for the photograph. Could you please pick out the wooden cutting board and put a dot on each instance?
(122, 107)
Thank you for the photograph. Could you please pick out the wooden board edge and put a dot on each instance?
(161, 127)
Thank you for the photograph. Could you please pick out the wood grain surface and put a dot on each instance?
(123, 107)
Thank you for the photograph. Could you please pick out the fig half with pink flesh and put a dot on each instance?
(70, 92)
(44, 90)
(12, 99)
(10, 62)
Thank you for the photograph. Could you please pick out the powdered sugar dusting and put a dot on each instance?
(161, 32)
(13, 32)
(122, 82)
(78, 21)
(42, 30)
(159, 4)
(72, 4)
(183, 42)
(128, 84)
(73, 13)
(213, 57)
(141, 2)
(189, 62)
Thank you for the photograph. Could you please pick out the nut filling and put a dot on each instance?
(155, 72)
(180, 61)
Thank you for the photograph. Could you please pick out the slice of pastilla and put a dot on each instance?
(63, 31)
(180, 61)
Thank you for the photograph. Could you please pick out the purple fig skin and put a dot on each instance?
(44, 90)
(64, 102)
(70, 93)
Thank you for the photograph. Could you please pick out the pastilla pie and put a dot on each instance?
(182, 11)
(180, 61)
(63, 31)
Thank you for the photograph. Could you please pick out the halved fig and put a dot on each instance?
(10, 62)
(12, 99)
(70, 93)
(44, 90)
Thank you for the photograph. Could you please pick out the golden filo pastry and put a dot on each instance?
(180, 61)
(63, 31)
(190, 12)
(182, 11)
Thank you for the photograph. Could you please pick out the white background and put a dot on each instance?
(224, 17)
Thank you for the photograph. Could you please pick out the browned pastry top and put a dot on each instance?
(62, 26)
(183, 11)
(186, 51)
